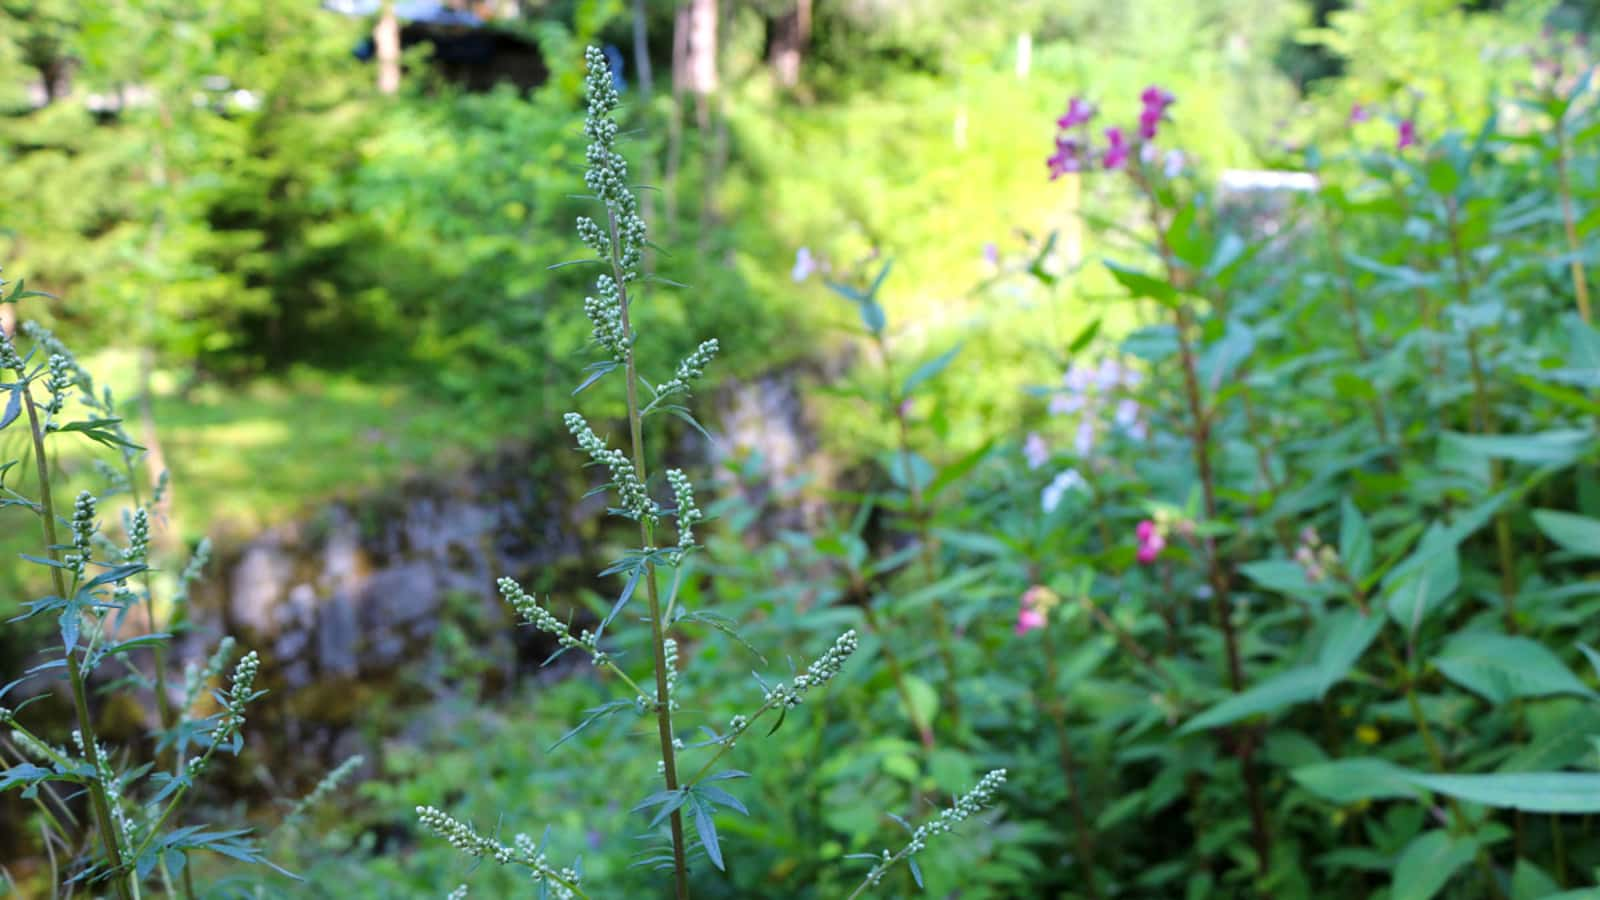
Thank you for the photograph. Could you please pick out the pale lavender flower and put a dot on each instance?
(1035, 450)
(805, 265)
(1083, 439)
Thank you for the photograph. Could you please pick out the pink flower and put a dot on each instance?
(1407, 135)
(1359, 113)
(1028, 620)
(1116, 155)
(1151, 541)
(1033, 610)
(1079, 111)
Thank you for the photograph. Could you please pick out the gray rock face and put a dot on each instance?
(356, 591)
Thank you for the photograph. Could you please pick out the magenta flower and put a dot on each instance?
(1359, 113)
(1116, 155)
(1151, 541)
(1157, 98)
(1033, 609)
(1407, 136)
(1149, 122)
(1079, 112)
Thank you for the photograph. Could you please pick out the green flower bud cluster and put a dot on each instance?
(535, 859)
(967, 806)
(46, 341)
(83, 529)
(465, 838)
(605, 313)
(690, 369)
(527, 606)
(243, 691)
(687, 512)
(633, 499)
(58, 383)
(607, 175)
(818, 674)
(138, 549)
(9, 359)
(594, 237)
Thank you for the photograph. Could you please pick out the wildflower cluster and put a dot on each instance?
(817, 674)
(1314, 557)
(965, 808)
(607, 175)
(561, 883)
(531, 612)
(634, 500)
(83, 531)
(9, 359)
(138, 549)
(1033, 609)
(1076, 150)
(687, 512)
(691, 368)
(243, 691)
(605, 314)
(1405, 127)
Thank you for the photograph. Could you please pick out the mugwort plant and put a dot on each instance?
(692, 775)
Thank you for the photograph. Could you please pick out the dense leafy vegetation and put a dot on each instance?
(1248, 529)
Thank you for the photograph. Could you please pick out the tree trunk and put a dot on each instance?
(790, 34)
(697, 22)
(386, 39)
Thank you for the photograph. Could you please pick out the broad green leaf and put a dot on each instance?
(1555, 447)
(1529, 882)
(1420, 584)
(1348, 781)
(1282, 690)
(1428, 863)
(1355, 541)
(1141, 285)
(1575, 533)
(1543, 792)
(1346, 635)
(924, 701)
(1285, 577)
(1500, 667)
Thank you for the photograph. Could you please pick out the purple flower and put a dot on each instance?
(1407, 135)
(1079, 111)
(1069, 157)
(1065, 404)
(1127, 417)
(1116, 155)
(1359, 113)
(1035, 450)
(991, 254)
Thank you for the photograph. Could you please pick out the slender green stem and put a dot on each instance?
(1483, 422)
(669, 762)
(1054, 707)
(917, 508)
(80, 698)
(1580, 283)
(1216, 573)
